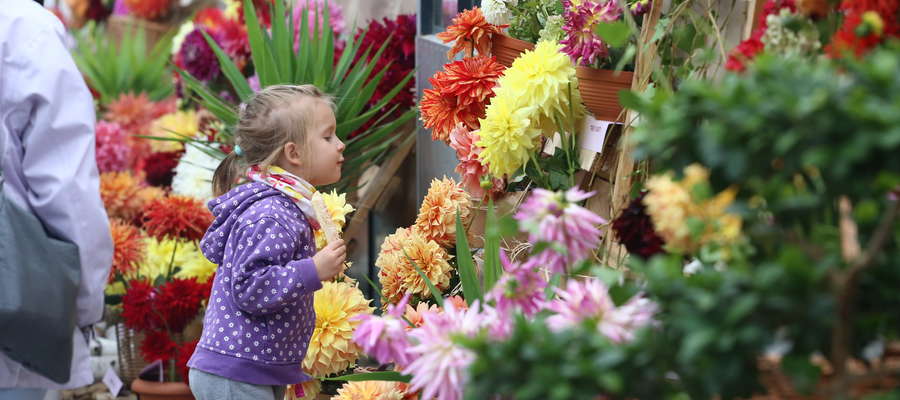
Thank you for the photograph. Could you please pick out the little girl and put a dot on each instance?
(260, 315)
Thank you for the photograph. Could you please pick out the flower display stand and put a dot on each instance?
(121, 25)
(506, 48)
(130, 360)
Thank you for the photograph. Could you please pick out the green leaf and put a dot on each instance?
(614, 33)
(631, 100)
(803, 373)
(492, 267)
(391, 376)
(231, 71)
(466, 266)
(438, 296)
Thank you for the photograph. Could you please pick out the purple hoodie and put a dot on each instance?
(260, 315)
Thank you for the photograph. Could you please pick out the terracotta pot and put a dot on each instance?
(147, 390)
(507, 49)
(600, 91)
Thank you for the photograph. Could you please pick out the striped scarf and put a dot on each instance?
(295, 187)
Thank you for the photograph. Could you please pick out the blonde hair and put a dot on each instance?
(269, 120)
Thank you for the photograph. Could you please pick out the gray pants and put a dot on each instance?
(23, 394)
(206, 386)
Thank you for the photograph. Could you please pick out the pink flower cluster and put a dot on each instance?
(589, 300)
(113, 151)
(581, 43)
(571, 230)
(470, 168)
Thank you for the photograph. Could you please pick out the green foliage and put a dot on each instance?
(351, 82)
(389, 376)
(129, 66)
(528, 17)
(535, 363)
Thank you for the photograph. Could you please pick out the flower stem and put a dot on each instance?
(172, 260)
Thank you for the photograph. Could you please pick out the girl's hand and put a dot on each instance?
(330, 260)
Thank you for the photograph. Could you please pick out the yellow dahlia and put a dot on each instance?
(176, 125)
(369, 390)
(674, 211)
(188, 258)
(331, 348)
(338, 209)
(397, 274)
(544, 78)
(507, 136)
(437, 216)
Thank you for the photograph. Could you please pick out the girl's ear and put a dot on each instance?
(292, 154)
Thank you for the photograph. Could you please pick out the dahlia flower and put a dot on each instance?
(137, 306)
(369, 390)
(194, 173)
(313, 9)
(157, 345)
(338, 209)
(437, 216)
(183, 254)
(134, 113)
(470, 168)
(440, 366)
(671, 205)
(398, 276)
(581, 43)
(470, 32)
(113, 152)
(471, 80)
(331, 348)
(521, 287)
(128, 247)
(385, 337)
(177, 125)
(176, 216)
(590, 300)
(399, 53)
(197, 58)
(442, 113)
(179, 301)
(416, 316)
(634, 229)
(555, 218)
(543, 78)
(159, 168)
(120, 192)
(507, 137)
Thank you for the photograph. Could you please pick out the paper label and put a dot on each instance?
(593, 133)
(112, 381)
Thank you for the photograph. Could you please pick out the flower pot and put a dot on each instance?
(600, 91)
(506, 49)
(147, 390)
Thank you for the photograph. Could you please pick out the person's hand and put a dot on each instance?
(330, 260)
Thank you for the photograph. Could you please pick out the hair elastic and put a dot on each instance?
(238, 150)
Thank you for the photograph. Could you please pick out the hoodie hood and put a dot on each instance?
(227, 209)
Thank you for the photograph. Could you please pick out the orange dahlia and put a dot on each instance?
(120, 192)
(398, 276)
(442, 113)
(415, 316)
(133, 112)
(176, 217)
(128, 247)
(471, 80)
(470, 31)
(149, 9)
(437, 216)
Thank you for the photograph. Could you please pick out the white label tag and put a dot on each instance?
(112, 381)
(594, 133)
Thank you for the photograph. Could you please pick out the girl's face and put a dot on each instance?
(322, 165)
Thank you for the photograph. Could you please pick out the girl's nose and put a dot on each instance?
(341, 146)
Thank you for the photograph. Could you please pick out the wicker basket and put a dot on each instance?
(130, 360)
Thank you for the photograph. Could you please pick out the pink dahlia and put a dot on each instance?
(313, 9)
(440, 366)
(571, 230)
(521, 287)
(590, 300)
(581, 43)
(470, 168)
(113, 151)
(385, 337)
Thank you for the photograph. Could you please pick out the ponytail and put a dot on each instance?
(226, 174)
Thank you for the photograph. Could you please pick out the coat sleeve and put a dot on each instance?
(59, 168)
(265, 277)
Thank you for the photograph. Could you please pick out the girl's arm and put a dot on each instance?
(264, 278)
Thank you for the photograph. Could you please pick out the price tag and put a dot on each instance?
(593, 133)
(112, 381)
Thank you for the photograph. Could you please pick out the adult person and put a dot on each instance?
(48, 165)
